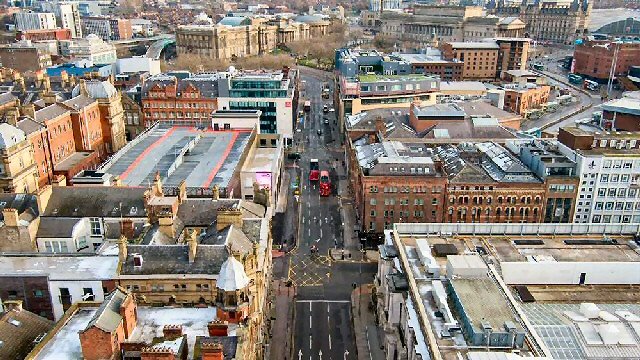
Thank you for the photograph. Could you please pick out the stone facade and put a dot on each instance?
(550, 21)
(250, 37)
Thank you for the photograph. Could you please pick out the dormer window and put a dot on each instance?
(137, 260)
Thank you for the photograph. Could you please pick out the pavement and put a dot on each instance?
(282, 321)
(364, 322)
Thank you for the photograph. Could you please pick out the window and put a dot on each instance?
(604, 178)
(373, 213)
(599, 205)
(602, 191)
(87, 294)
(38, 293)
(373, 202)
(96, 227)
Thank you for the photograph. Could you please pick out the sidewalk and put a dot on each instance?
(283, 194)
(364, 325)
(280, 342)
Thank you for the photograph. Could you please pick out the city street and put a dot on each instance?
(323, 328)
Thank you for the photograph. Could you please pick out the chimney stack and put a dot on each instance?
(83, 87)
(122, 249)
(211, 351)
(172, 332)
(182, 191)
(157, 353)
(12, 117)
(28, 110)
(228, 216)
(43, 197)
(216, 192)
(13, 305)
(193, 246)
(49, 98)
(218, 328)
(10, 217)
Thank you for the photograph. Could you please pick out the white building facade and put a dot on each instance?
(609, 190)
(34, 21)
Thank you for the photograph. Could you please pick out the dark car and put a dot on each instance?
(293, 156)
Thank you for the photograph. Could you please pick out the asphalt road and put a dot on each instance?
(323, 326)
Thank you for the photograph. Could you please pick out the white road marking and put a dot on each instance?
(309, 231)
(329, 341)
(310, 321)
(321, 233)
(309, 342)
(310, 309)
(324, 301)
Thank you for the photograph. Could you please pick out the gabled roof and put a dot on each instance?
(52, 227)
(29, 125)
(26, 204)
(18, 330)
(174, 260)
(96, 201)
(51, 112)
(107, 317)
(10, 135)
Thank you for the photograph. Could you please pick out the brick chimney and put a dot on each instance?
(13, 305)
(12, 116)
(193, 245)
(59, 180)
(83, 87)
(43, 197)
(211, 351)
(381, 127)
(159, 353)
(218, 328)
(122, 249)
(182, 191)
(10, 217)
(228, 216)
(28, 110)
(216, 192)
(127, 228)
(172, 332)
(49, 98)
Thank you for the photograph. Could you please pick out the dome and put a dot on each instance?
(10, 135)
(232, 276)
(97, 89)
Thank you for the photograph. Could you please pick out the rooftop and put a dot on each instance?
(392, 78)
(475, 45)
(19, 330)
(200, 157)
(394, 158)
(58, 267)
(493, 309)
(96, 201)
(262, 160)
(625, 105)
(65, 344)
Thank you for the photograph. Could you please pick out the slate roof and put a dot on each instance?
(107, 317)
(79, 102)
(17, 340)
(54, 227)
(201, 212)
(96, 201)
(174, 260)
(7, 97)
(29, 125)
(51, 112)
(26, 204)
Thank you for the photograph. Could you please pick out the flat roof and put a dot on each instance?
(61, 267)
(213, 158)
(65, 344)
(493, 308)
(72, 160)
(462, 86)
(376, 78)
(625, 105)
(194, 322)
(555, 248)
(262, 160)
(475, 45)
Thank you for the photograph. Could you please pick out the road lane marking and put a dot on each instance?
(321, 233)
(329, 341)
(309, 342)
(310, 309)
(310, 321)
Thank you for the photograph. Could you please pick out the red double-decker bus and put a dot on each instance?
(314, 170)
(325, 184)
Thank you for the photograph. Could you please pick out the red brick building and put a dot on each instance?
(395, 183)
(168, 99)
(594, 58)
(112, 323)
(46, 34)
